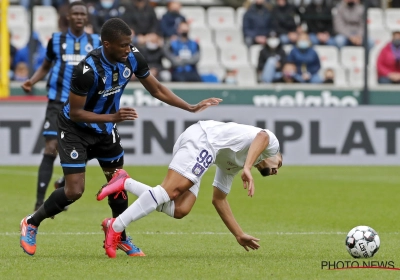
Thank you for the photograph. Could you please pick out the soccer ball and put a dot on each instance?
(362, 242)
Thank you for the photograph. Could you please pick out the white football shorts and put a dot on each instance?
(192, 156)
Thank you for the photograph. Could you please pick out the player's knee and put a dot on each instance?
(180, 212)
(51, 148)
(74, 190)
(175, 194)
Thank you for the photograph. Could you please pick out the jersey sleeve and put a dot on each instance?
(82, 79)
(223, 181)
(50, 54)
(142, 70)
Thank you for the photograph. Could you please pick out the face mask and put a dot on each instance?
(303, 44)
(273, 43)
(396, 43)
(230, 80)
(151, 46)
(351, 4)
(184, 34)
(288, 74)
(107, 4)
(175, 13)
(20, 78)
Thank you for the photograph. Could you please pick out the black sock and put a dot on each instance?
(118, 205)
(45, 173)
(51, 207)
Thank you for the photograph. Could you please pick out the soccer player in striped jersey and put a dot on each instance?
(87, 125)
(64, 51)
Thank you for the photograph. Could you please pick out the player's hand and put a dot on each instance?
(205, 104)
(248, 241)
(248, 181)
(27, 86)
(125, 114)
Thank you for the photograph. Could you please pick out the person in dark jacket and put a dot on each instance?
(171, 19)
(100, 12)
(142, 18)
(318, 17)
(306, 60)
(283, 22)
(256, 23)
(272, 58)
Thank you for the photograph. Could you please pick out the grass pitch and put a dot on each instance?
(301, 216)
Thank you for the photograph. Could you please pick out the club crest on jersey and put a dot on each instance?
(88, 48)
(74, 154)
(126, 73)
(46, 125)
(198, 169)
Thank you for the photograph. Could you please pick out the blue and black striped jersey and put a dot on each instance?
(66, 51)
(103, 84)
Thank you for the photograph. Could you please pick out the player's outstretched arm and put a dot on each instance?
(37, 76)
(162, 93)
(258, 145)
(224, 210)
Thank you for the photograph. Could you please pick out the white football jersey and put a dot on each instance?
(231, 143)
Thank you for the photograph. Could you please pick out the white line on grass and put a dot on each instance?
(183, 233)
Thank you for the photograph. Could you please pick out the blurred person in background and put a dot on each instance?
(142, 19)
(64, 51)
(306, 60)
(103, 10)
(329, 76)
(230, 77)
(21, 72)
(257, 23)
(289, 73)
(388, 64)
(348, 22)
(184, 54)
(318, 17)
(13, 51)
(22, 55)
(171, 19)
(153, 53)
(283, 22)
(26, 3)
(271, 59)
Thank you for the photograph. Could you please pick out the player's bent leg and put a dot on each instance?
(183, 204)
(45, 170)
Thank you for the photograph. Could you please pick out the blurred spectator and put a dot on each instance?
(283, 22)
(184, 54)
(256, 23)
(63, 9)
(306, 60)
(388, 64)
(171, 19)
(142, 18)
(329, 76)
(348, 23)
(318, 17)
(271, 59)
(230, 77)
(26, 3)
(153, 53)
(103, 10)
(22, 55)
(21, 72)
(13, 51)
(288, 74)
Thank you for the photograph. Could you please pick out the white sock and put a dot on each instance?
(168, 208)
(144, 205)
(135, 187)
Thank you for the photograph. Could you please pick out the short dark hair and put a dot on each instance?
(76, 3)
(113, 28)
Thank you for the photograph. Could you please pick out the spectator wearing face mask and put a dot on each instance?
(288, 74)
(318, 17)
(103, 10)
(388, 64)
(230, 77)
(271, 59)
(306, 60)
(283, 22)
(256, 23)
(171, 19)
(184, 54)
(348, 22)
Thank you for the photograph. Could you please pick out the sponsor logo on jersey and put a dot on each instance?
(110, 91)
(85, 69)
(72, 59)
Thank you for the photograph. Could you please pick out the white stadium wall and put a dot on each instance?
(308, 136)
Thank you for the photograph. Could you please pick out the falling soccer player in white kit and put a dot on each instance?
(230, 146)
